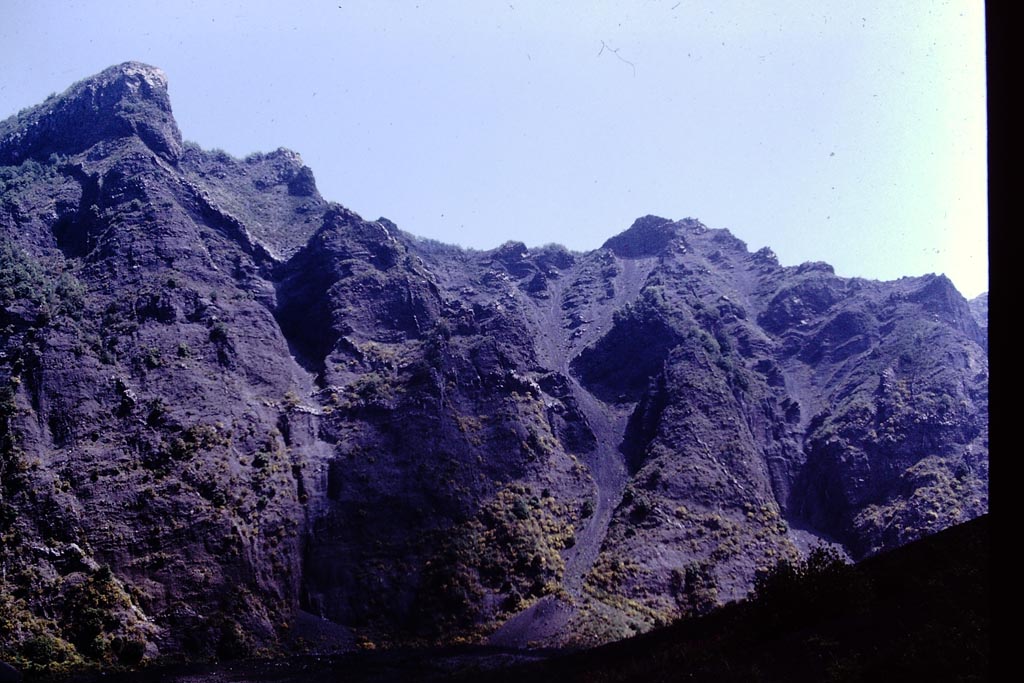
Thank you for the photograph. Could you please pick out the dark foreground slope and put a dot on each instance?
(921, 612)
(234, 416)
(918, 613)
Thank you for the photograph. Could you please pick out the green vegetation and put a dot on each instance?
(26, 285)
(512, 550)
(921, 612)
(695, 589)
(29, 172)
(29, 642)
(89, 621)
(941, 494)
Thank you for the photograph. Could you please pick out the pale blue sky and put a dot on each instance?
(851, 132)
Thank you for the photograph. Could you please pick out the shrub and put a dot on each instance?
(219, 332)
(695, 589)
(44, 650)
(813, 588)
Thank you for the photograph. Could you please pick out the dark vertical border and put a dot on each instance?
(1002, 293)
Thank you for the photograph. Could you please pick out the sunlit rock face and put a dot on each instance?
(231, 409)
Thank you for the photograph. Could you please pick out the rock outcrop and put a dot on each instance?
(128, 100)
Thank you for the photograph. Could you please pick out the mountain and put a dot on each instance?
(979, 308)
(237, 417)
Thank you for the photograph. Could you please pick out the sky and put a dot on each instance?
(849, 131)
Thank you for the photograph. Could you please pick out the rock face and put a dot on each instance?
(129, 100)
(979, 308)
(228, 404)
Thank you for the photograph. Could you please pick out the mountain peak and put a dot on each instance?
(648, 236)
(128, 99)
(132, 81)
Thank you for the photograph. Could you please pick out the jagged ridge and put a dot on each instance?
(257, 408)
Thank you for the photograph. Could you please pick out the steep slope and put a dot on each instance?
(796, 401)
(144, 381)
(921, 612)
(979, 309)
(231, 408)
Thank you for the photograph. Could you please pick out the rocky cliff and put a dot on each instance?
(232, 411)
